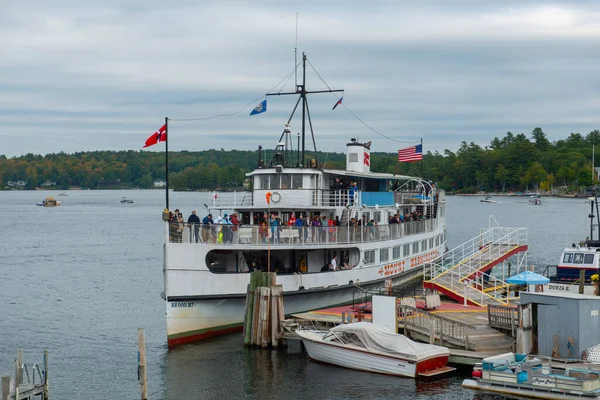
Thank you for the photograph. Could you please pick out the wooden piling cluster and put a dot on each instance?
(35, 384)
(264, 311)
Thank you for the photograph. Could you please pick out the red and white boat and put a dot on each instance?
(375, 348)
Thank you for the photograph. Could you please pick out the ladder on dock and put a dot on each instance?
(463, 272)
(30, 381)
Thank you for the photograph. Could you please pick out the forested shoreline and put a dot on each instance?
(515, 162)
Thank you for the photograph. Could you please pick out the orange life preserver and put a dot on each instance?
(268, 197)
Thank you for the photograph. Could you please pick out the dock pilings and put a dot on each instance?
(264, 311)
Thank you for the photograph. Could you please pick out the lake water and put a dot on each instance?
(80, 279)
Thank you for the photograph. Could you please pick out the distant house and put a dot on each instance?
(17, 184)
(48, 184)
(160, 183)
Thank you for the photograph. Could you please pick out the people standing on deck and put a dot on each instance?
(226, 229)
(263, 230)
(207, 223)
(315, 228)
(235, 225)
(299, 225)
(180, 223)
(323, 229)
(194, 227)
(274, 223)
(173, 226)
(352, 192)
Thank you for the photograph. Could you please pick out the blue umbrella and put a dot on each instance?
(528, 278)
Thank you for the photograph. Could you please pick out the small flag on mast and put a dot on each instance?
(158, 136)
(409, 154)
(259, 109)
(338, 103)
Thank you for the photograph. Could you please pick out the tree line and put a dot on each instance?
(516, 162)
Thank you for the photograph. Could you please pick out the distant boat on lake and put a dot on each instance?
(126, 200)
(49, 202)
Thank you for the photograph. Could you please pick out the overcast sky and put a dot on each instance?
(77, 75)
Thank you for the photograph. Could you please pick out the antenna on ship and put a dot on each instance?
(296, 55)
(301, 90)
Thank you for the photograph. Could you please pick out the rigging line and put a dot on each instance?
(286, 79)
(373, 130)
(356, 116)
(285, 83)
(319, 75)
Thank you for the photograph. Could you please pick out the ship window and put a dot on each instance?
(369, 257)
(286, 181)
(406, 250)
(353, 157)
(384, 254)
(297, 181)
(274, 182)
(431, 243)
(588, 259)
(396, 252)
(415, 248)
(423, 245)
(264, 181)
(568, 258)
(377, 216)
(578, 258)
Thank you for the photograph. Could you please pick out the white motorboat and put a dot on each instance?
(126, 200)
(379, 225)
(535, 200)
(487, 199)
(375, 348)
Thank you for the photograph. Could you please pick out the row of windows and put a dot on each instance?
(282, 181)
(578, 258)
(399, 251)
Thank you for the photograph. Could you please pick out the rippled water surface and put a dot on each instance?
(79, 279)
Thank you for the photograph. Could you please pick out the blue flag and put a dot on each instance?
(261, 108)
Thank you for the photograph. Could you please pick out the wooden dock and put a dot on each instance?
(30, 381)
(465, 330)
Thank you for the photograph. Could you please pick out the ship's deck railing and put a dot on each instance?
(227, 235)
(316, 198)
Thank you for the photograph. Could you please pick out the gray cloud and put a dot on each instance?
(77, 76)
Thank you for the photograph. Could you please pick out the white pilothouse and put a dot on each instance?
(206, 281)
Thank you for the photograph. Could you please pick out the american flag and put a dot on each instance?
(409, 154)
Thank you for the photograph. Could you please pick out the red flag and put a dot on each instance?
(158, 136)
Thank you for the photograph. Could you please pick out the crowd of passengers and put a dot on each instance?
(318, 229)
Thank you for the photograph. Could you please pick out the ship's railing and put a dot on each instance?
(286, 235)
(317, 198)
(468, 258)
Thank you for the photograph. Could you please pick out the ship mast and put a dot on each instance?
(302, 92)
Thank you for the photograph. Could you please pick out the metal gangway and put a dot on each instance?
(463, 273)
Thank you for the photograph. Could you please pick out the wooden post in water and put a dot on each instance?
(18, 371)
(46, 363)
(6, 387)
(581, 280)
(248, 321)
(142, 363)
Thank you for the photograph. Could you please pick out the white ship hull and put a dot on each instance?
(193, 318)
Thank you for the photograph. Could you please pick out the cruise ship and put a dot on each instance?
(377, 226)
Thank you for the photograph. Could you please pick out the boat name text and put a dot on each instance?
(182, 304)
(397, 267)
